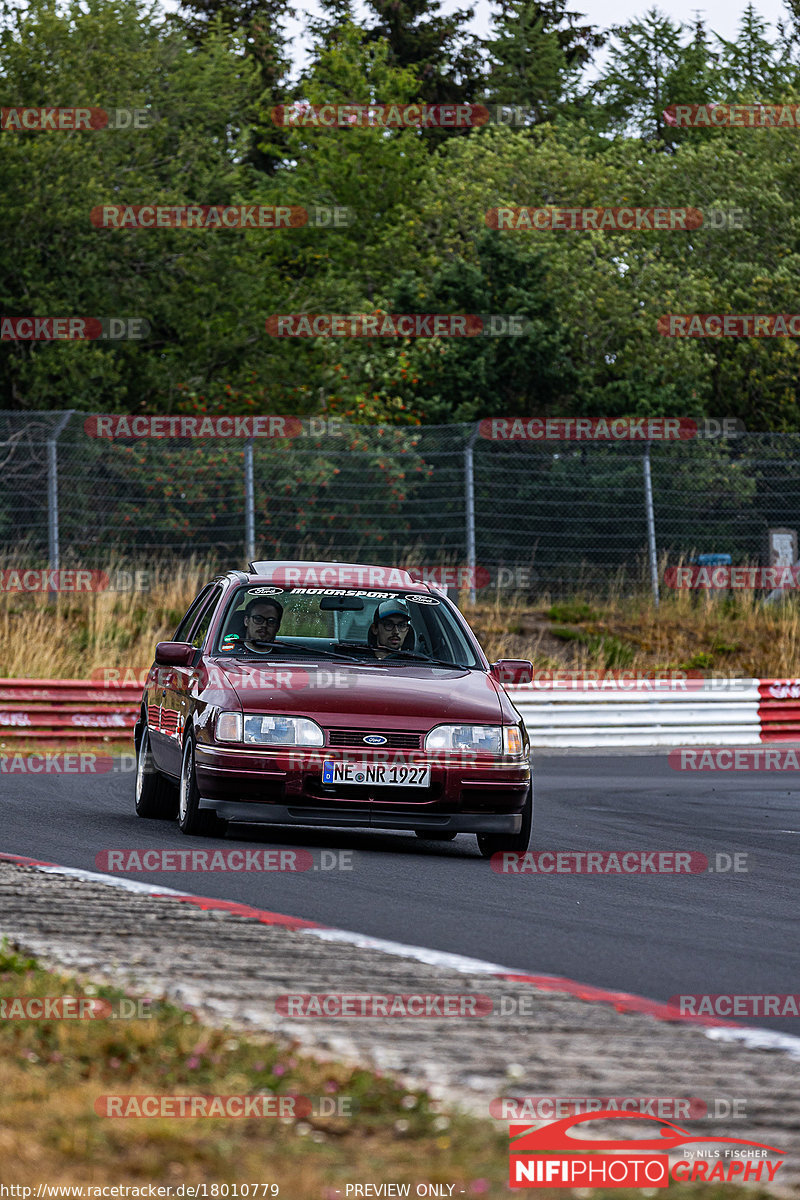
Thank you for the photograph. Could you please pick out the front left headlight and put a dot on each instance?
(485, 739)
(282, 731)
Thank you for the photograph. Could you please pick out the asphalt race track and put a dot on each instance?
(654, 935)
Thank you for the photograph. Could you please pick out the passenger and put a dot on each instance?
(262, 620)
(390, 628)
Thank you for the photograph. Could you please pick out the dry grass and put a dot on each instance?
(51, 1073)
(734, 635)
(75, 636)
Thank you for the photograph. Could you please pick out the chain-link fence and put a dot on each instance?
(559, 516)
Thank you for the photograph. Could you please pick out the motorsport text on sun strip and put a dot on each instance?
(745, 116)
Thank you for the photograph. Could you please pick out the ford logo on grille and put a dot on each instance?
(375, 739)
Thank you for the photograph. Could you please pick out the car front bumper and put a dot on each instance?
(280, 787)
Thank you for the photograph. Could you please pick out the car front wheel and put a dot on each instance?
(500, 843)
(193, 820)
(156, 796)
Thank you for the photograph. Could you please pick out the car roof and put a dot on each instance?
(330, 573)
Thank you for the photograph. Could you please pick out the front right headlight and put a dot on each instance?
(484, 739)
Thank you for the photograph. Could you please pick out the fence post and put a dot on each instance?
(469, 498)
(651, 524)
(249, 504)
(53, 548)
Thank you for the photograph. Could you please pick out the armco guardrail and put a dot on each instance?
(567, 713)
(56, 709)
(722, 712)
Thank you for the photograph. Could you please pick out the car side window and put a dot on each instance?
(199, 635)
(185, 627)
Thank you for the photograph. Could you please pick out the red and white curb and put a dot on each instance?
(624, 1002)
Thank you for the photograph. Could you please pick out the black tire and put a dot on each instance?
(434, 835)
(499, 843)
(154, 797)
(194, 821)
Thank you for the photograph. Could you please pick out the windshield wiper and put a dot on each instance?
(309, 650)
(423, 658)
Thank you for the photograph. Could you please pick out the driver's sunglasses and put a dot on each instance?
(399, 625)
(257, 620)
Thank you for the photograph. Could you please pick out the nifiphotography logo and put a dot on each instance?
(548, 1156)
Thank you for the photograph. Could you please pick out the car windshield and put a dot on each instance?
(393, 628)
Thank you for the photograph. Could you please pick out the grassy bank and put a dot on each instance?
(53, 1072)
(107, 632)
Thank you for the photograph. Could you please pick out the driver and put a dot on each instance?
(390, 628)
(262, 620)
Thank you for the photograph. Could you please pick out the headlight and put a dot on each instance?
(282, 731)
(512, 740)
(486, 739)
(229, 727)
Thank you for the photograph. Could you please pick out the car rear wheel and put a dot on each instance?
(192, 820)
(156, 797)
(499, 843)
(434, 835)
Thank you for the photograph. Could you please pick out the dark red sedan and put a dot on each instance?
(333, 694)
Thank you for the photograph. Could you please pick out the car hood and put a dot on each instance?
(345, 694)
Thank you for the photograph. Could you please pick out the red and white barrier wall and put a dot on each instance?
(56, 709)
(671, 712)
(558, 712)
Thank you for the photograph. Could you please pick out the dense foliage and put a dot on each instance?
(590, 131)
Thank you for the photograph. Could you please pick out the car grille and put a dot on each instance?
(355, 737)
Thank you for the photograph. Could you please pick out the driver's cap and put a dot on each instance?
(392, 608)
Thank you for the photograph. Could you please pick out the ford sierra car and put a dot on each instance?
(338, 695)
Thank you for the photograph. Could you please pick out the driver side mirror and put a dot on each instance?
(174, 654)
(512, 670)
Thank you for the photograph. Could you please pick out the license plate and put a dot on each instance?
(375, 774)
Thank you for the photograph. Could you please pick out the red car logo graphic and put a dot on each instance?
(556, 1137)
